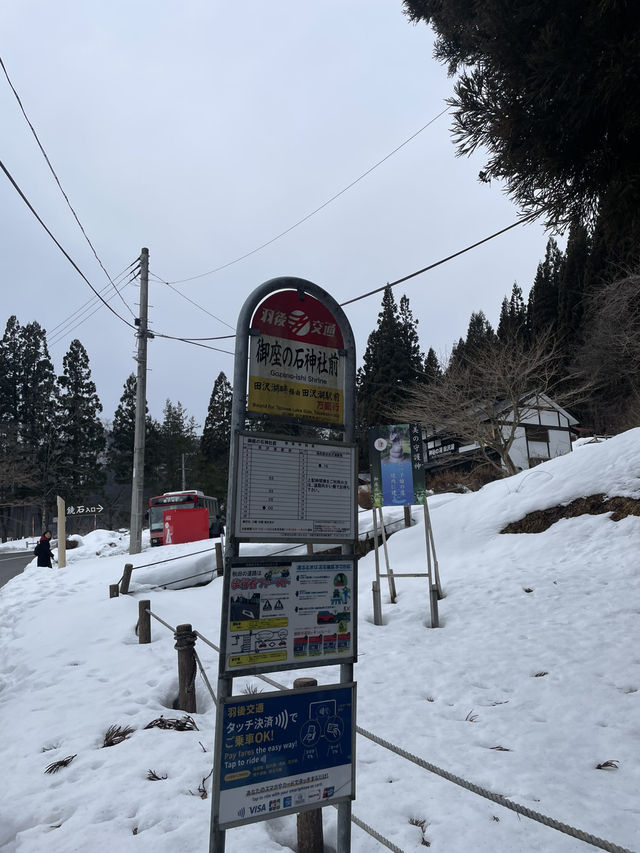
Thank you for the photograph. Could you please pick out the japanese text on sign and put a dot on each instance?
(289, 613)
(293, 489)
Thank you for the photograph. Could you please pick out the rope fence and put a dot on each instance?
(499, 799)
(126, 575)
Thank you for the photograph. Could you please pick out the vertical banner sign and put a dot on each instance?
(396, 463)
(295, 364)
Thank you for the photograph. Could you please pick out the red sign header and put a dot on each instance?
(284, 315)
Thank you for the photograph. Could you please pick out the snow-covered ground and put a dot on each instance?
(538, 654)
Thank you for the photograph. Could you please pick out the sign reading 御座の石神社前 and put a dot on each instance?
(396, 462)
(296, 364)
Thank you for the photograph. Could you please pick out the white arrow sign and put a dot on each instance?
(82, 509)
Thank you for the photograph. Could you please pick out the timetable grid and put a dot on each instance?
(295, 488)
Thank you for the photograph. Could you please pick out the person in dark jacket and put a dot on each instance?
(43, 550)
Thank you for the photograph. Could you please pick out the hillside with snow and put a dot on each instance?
(531, 682)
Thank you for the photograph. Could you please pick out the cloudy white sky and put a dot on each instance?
(202, 130)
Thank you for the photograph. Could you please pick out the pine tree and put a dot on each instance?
(19, 475)
(391, 361)
(81, 433)
(480, 334)
(177, 438)
(546, 90)
(571, 287)
(31, 392)
(216, 439)
(513, 317)
(432, 369)
(122, 439)
(542, 310)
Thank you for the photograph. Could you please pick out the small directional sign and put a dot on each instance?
(84, 509)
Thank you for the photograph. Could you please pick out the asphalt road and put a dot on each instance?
(12, 563)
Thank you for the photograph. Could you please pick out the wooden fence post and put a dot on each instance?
(114, 590)
(219, 563)
(310, 834)
(126, 579)
(185, 645)
(407, 516)
(144, 622)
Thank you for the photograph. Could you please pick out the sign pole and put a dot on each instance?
(377, 599)
(62, 533)
(392, 584)
(299, 345)
(433, 549)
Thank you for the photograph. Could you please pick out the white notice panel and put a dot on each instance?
(289, 490)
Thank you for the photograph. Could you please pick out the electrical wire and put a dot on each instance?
(66, 327)
(521, 221)
(83, 276)
(317, 210)
(57, 180)
(92, 300)
(197, 305)
(64, 252)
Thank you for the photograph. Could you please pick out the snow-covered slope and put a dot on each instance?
(532, 680)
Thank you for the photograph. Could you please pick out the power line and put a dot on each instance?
(92, 300)
(521, 221)
(66, 327)
(197, 305)
(64, 252)
(66, 198)
(317, 210)
(530, 217)
(83, 276)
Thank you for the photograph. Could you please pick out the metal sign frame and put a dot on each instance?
(239, 419)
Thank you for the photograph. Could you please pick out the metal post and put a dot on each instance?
(433, 549)
(137, 479)
(392, 584)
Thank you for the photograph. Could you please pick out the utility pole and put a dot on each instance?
(137, 480)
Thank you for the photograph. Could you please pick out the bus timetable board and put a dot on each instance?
(290, 490)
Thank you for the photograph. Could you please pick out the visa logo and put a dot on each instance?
(255, 809)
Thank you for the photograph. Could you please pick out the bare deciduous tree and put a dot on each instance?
(484, 397)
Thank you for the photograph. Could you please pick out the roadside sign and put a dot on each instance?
(285, 752)
(296, 363)
(290, 751)
(396, 463)
(289, 613)
(294, 490)
(84, 509)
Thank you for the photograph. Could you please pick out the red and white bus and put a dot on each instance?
(183, 501)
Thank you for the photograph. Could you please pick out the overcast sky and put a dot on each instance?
(202, 130)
